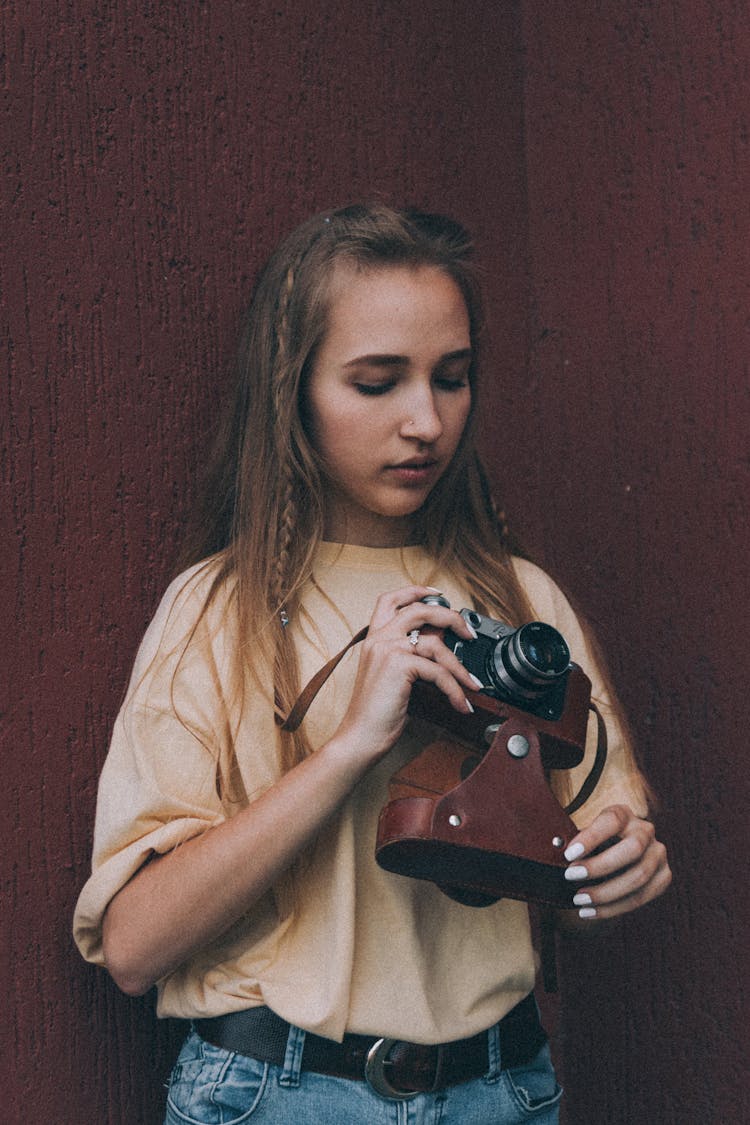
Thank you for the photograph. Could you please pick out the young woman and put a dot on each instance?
(234, 862)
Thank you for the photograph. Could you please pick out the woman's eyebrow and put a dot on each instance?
(454, 357)
(377, 360)
(385, 360)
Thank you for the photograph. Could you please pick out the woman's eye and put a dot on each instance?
(373, 388)
(447, 384)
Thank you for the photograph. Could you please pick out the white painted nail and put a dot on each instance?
(582, 899)
(587, 912)
(476, 680)
(468, 705)
(576, 873)
(574, 851)
(471, 629)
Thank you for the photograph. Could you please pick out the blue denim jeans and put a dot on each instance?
(213, 1086)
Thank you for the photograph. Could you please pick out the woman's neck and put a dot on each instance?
(370, 530)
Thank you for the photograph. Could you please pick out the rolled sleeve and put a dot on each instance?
(158, 787)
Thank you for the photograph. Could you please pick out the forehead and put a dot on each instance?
(388, 304)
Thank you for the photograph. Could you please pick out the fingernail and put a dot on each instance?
(471, 629)
(574, 851)
(468, 705)
(582, 899)
(476, 680)
(587, 912)
(576, 873)
(434, 589)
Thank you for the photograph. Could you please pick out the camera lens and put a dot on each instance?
(543, 649)
(531, 660)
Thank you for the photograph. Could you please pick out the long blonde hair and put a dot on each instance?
(262, 504)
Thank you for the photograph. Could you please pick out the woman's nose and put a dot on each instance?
(421, 419)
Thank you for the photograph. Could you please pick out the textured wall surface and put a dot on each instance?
(638, 161)
(152, 155)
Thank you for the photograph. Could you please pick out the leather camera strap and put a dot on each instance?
(311, 689)
(597, 766)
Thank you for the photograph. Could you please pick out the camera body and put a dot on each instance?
(526, 667)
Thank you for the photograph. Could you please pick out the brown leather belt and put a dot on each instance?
(394, 1068)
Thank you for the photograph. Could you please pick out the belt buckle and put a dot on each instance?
(375, 1073)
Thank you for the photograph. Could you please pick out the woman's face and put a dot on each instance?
(388, 397)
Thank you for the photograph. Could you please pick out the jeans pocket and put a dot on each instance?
(211, 1086)
(534, 1087)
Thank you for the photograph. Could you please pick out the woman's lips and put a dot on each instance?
(413, 472)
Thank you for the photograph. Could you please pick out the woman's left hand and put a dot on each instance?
(634, 867)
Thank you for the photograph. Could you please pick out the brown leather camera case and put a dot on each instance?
(483, 823)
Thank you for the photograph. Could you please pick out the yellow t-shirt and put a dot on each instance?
(362, 950)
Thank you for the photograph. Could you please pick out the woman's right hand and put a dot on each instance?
(390, 664)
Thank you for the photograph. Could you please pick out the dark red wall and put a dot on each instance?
(154, 155)
(638, 165)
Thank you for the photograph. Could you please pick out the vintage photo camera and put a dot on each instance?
(527, 667)
(474, 812)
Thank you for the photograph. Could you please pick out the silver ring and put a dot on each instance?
(413, 637)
